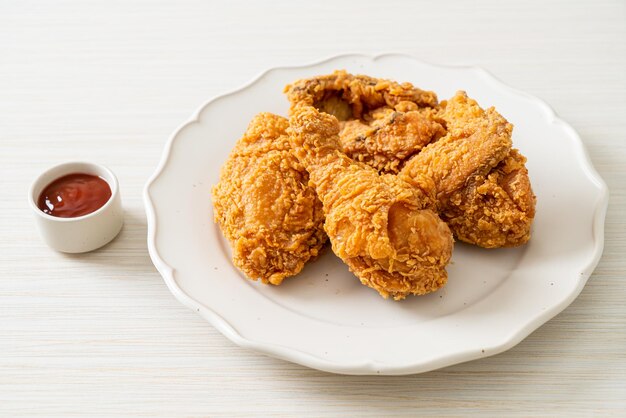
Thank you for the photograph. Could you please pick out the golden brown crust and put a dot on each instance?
(476, 141)
(381, 226)
(383, 122)
(495, 210)
(360, 92)
(386, 137)
(454, 157)
(483, 190)
(264, 206)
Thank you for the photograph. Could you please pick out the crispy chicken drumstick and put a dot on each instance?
(381, 226)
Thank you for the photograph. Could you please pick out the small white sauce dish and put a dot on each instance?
(83, 233)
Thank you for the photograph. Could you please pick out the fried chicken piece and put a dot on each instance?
(381, 226)
(386, 137)
(348, 96)
(495, 210)
(383, 122)
(264, 206)
(483, 190)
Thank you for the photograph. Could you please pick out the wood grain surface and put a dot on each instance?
(99, 334)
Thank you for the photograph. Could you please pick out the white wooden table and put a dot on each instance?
(99, 334)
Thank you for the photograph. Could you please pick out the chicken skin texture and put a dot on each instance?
(348, 96)
(383, 123)
(483, 189)
(386, 137)
(264, 206)
(482, 185)
(495, 210)
(381, 226)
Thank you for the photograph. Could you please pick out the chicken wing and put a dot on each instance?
(381, 226)
(264, 206)
(383, 123)
(483, 190)
(348, 96)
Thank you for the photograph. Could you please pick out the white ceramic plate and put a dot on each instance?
(324, 318)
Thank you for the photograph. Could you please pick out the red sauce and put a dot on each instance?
(74, 195)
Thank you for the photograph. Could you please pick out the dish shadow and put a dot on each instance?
(327, 282)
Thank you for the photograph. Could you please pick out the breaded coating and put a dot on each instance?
(483, 190)
(348, 96)
(381, 226)
(383, 123)
(386, 137)
(264, 206)
(495, 210)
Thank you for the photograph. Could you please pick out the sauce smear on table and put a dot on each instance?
(74, 195)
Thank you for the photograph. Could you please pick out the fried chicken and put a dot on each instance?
(383, 123)
(264, 206)
(483, 190)
(348, 96)
(381, 226)
(386, 137)
(408, 161)
(495, 210)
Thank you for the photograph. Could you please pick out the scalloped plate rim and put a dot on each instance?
(373, 367)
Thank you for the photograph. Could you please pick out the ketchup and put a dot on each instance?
(74, 195)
